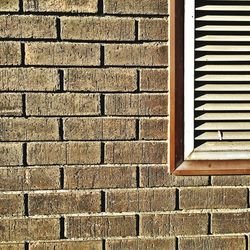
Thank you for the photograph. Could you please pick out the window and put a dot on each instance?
(209, 87)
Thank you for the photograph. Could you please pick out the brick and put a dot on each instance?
(80, 6)
(159, 7)
(10, 53)
(154, 129)
(31, 129)
(11, 204)
(64, 203)
(141, 200)
(98, 28)
(11, 154)
(62, 104)
(136, 152)
(234, 180)
(136, 104)
(9, 5)
(141, 244)
(224, 223)
(10, 104)
(154, 80)
(12, 246)
(61, 54)
(67, 245)
(21, 179)
(63, 153)
(27, 27)
(30, 79)
(136, 54)
(153, 29)
(174, 224)
(110, 80)
(99, 177)
(29, 229)
(100, 226)
(192, 198)
(99, 129)
(212, 242)
(158, 176)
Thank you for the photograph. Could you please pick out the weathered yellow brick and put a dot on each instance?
(105, 226)
(11, 204)
(11, 154)
(100, 79)
(36, 178)
(98, 28)
(63, 153)
(153, 29)
(67, 245)
(9, 5)
(10, 53)
(136, 54)
(64, 202)
(79, 6)
(136, 7)
(62, 104)
(62, 54)
(27, 27)
(10, 104)
(31, 129)
(21, 229)
(136, 152)
(154, 80)
(12, 246)
(154, 128)
(99, 128)
(136, 104)
(29, 79)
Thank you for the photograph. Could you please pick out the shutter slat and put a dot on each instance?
(224, 126)
(223, 38)
(229, 18)
(223, 97)
(225, 135)
(222, 145)
(223, 58)
(223, 107)
(223, 87)
(224, 48)
(221, 67)
(224, 8)
(223, 28)
(223, 116)
(223, 78)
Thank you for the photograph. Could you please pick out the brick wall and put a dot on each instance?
(84, 129)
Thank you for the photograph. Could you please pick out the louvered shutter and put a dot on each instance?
(222, 79)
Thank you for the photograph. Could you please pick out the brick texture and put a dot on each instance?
(32, 79)
(84, 135)
(135, 7)
(101, 226)
(96, 28)
(80, 6)
(105, 80)
(212, 242)
(59, 54)
(26, 27)
(9, 5)
(142, 244)
(103, 177)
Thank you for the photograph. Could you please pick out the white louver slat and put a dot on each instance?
(222, 77)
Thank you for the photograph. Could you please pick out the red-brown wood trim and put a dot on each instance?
(176, 125)
(176, 75)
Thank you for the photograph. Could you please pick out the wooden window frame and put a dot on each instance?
(179, 166)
